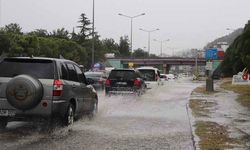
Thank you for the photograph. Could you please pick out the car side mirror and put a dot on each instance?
(90, 81)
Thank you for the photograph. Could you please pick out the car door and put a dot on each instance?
(85, 92)
(74, 86)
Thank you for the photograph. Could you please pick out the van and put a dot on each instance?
(151, 75)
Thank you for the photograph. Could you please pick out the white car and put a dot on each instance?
(164, 77)
(171, 77)
(151, 76)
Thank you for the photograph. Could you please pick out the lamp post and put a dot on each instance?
(131, 28)
(161, 42)
(0, 13)
(149, 32)
(93, 35)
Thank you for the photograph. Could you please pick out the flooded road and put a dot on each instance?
(156, 120)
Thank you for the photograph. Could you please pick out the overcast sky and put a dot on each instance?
(187, 23)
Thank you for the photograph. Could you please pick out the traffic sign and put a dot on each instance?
(209, 65)
(130, 64)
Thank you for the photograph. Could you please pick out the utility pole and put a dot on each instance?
(161, 42)
(93, 35)
(149, 32)
(131, 28)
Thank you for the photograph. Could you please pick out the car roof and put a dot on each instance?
(40, 58)
(123, 70)
(147, 68)
(93, 72)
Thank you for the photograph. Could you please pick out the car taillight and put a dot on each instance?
(57, 88)
(107, 83)
(136, 83)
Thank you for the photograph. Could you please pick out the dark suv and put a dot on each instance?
(32, 88)
(125, 81)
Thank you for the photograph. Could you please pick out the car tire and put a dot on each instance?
(24, 92)
(69, 116)
(3, 122)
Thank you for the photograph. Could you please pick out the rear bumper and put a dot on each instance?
(121, 90)
(53, 108)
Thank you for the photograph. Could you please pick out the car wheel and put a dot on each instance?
(3, 122)
(69, 116)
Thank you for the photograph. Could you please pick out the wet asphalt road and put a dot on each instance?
(156, 120)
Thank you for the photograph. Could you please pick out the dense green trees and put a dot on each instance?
(140, 53)
(237, 56)
(76, 46)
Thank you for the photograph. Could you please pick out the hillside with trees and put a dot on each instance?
(227, 38)
(237, 56)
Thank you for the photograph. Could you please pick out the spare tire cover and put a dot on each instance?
(24, 92)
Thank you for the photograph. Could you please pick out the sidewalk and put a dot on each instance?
(218, 120)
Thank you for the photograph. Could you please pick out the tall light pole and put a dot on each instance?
(131, 28)
(0, 13)
(93, 35)
(149, 32)
(161, 42)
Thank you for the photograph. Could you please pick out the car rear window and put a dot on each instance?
(41, 69)
(148, 74)
(122, 74)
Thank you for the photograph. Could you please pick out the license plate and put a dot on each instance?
(121, 83)
(7, 112)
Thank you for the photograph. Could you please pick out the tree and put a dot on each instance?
(140, 53)
(85, 30)
(13, 28)
(124, 47)
(110, 46)
(237, 56)
(4, 43)
(60, 33)
(39, 33)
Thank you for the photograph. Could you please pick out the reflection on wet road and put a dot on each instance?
(156, 120)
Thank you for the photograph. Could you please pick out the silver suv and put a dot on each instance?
(32, 88)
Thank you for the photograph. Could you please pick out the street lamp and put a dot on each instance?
(149, 32)
(93, 35)
(161, 41)
(131, 29)
(0, 13)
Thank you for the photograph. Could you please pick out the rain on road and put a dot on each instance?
(156, 120)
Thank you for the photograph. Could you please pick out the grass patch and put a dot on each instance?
(213, 136)
(242, 90)
(200, 108)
